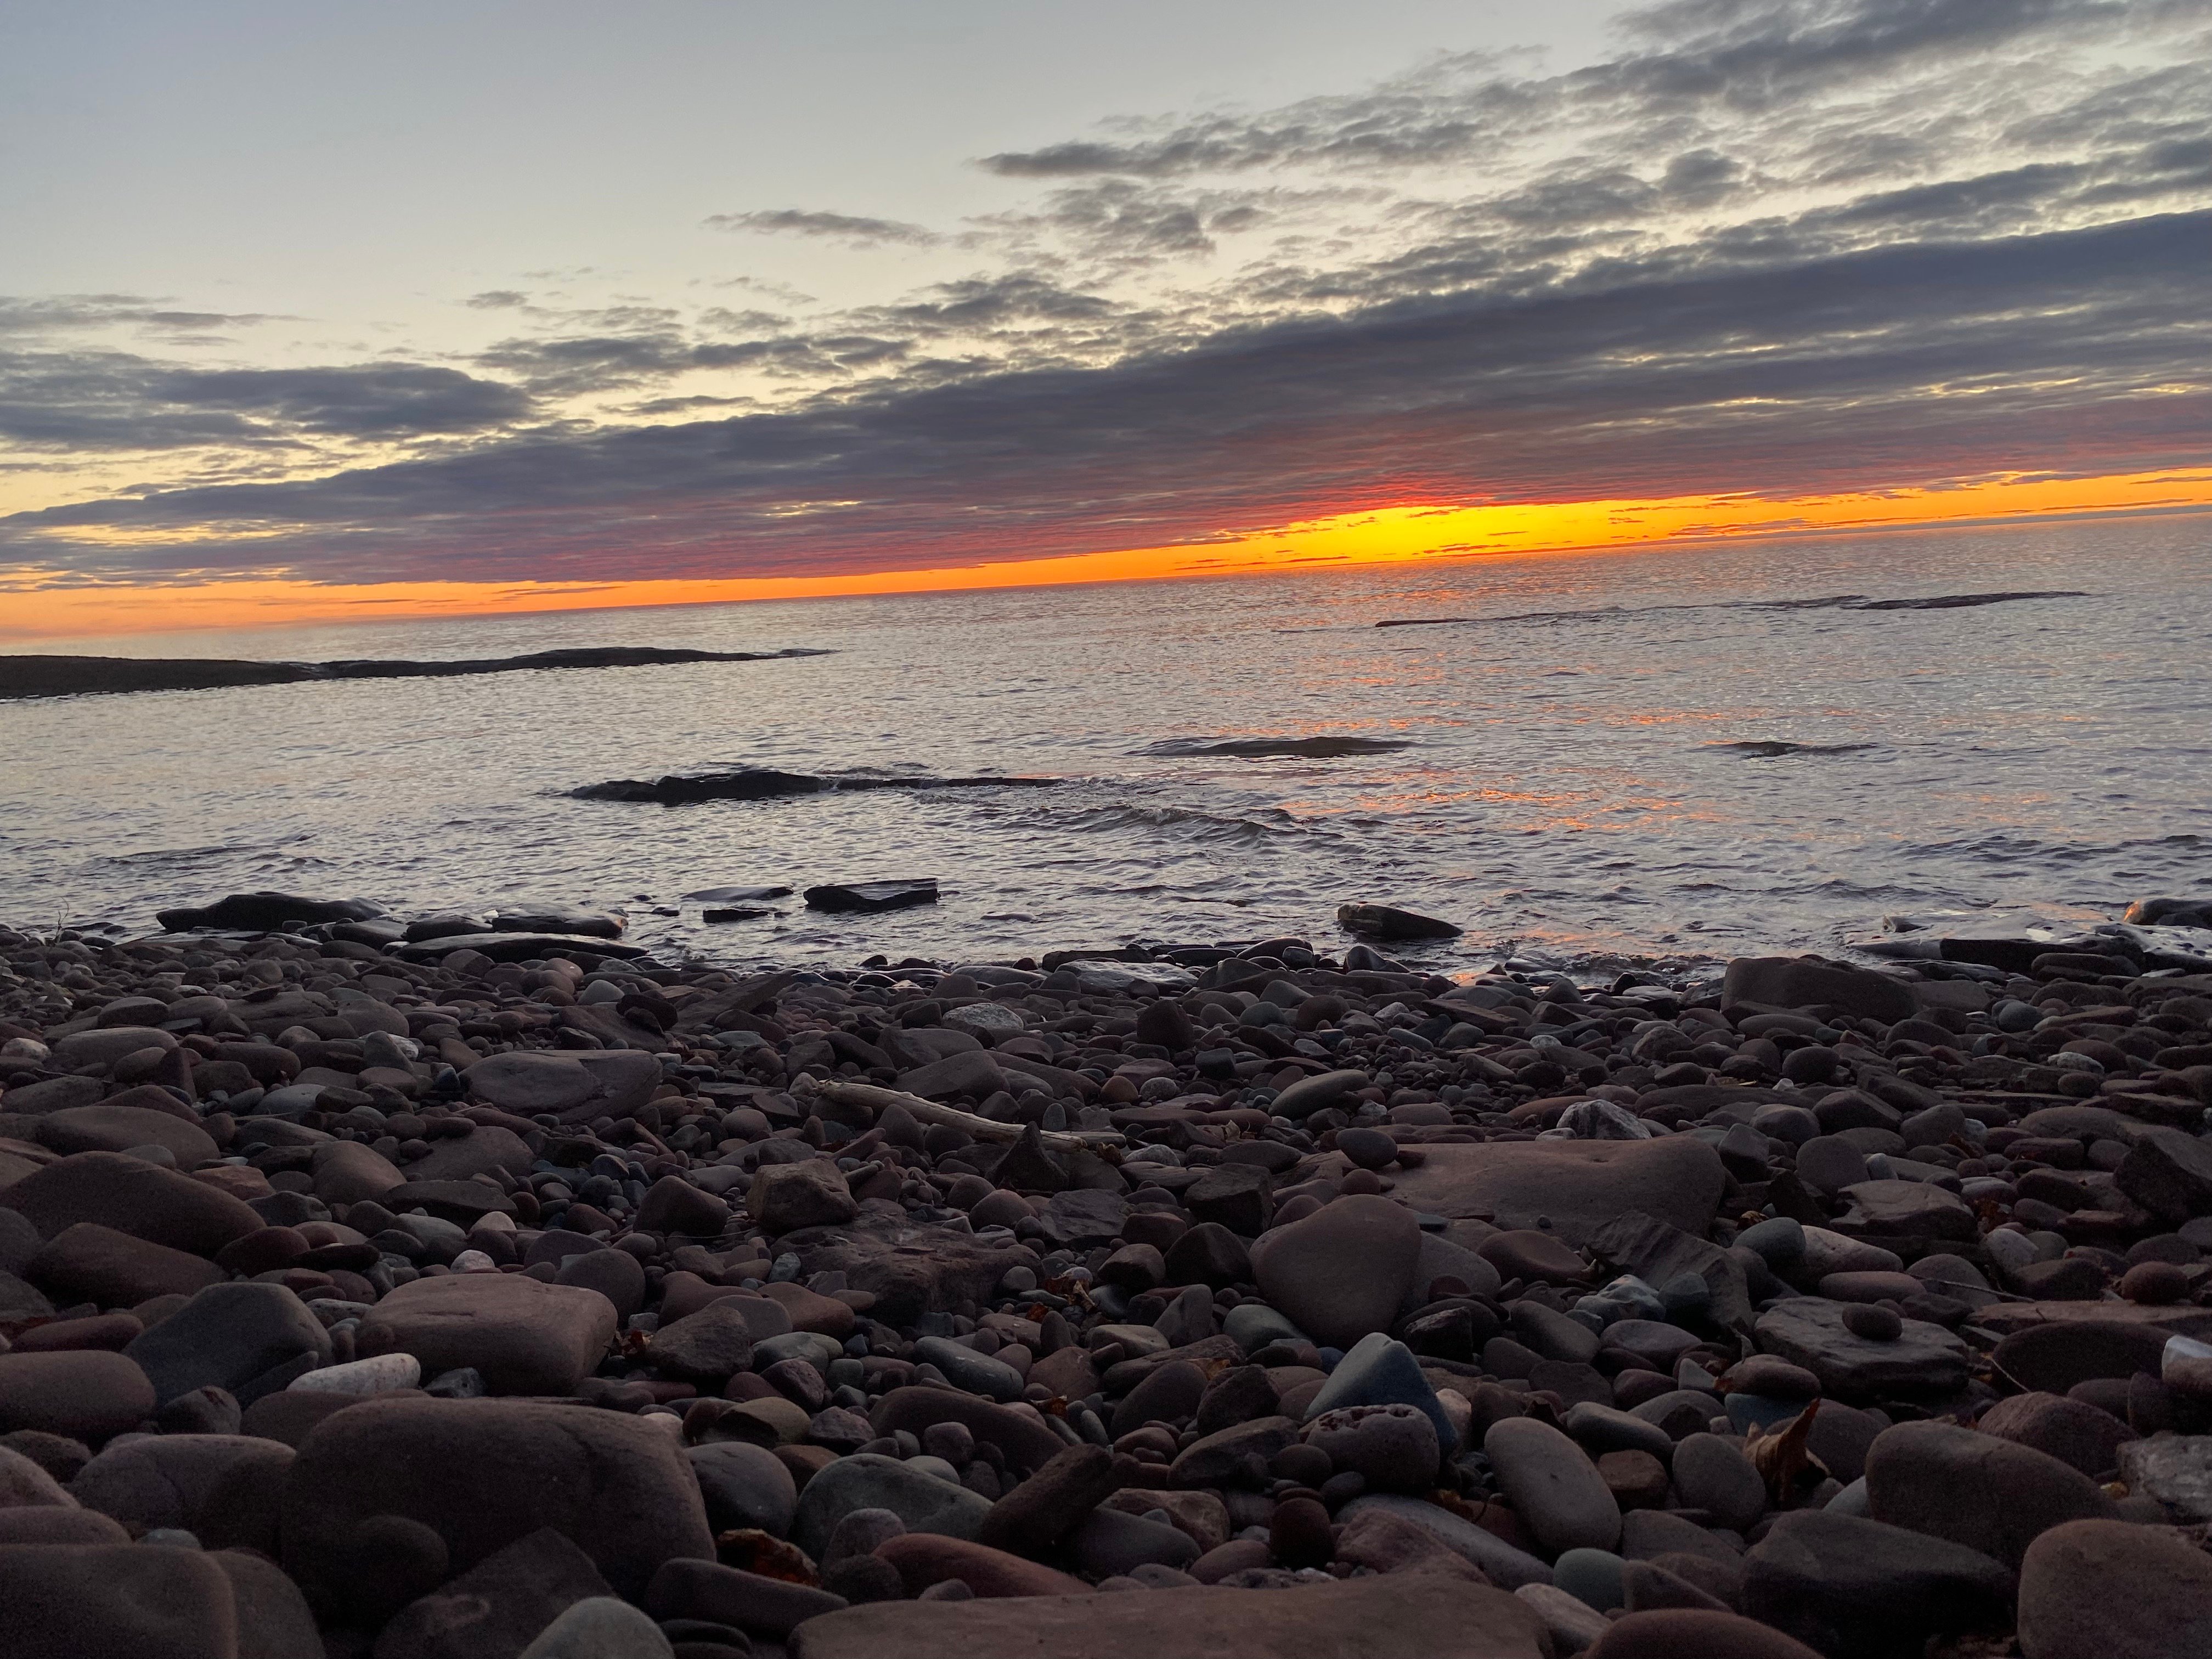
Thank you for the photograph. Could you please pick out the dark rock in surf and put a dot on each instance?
(1387, 921)
(1276, 748)
(765, 783)
(265, 913)
(558, 919)
(868, 897)
(518, 947)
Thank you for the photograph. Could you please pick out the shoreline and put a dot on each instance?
(1285, 1271)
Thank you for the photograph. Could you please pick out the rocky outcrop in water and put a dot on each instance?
(765, 783)
(30, 676)
(372, 1305)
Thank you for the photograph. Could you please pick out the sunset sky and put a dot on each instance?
(315, 312)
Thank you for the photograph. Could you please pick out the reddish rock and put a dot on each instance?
(1341, 1272)
(484, 1472)
(1694, 1633)
(90, 1262)
(2107, 1589)
(525, 1337)
(133, 1197)
(1374, 1618)
(87, 1395)
(75, 1601)
(924, 1559)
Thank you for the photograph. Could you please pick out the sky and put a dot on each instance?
(419, 308)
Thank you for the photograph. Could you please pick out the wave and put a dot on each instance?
(1275, 748)
(1773, 749)
(1188, 822)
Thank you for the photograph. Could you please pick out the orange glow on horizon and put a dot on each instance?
(52, 606)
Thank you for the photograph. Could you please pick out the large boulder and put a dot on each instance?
(1340, 1273)
(132, 1196)
(1578, 1187)
(128, 1601)
(1381, 1616)
(1975, 1489)
(1856, 1588)
(2107, 1590)
(525, 1336)
(114, 1127)
(482, 1473)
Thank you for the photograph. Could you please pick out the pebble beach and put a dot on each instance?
(406, 1287)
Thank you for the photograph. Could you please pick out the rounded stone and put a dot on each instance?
(1694, 1633)
(1711, 1475)
(1977, 1490)
(1341, 1273)
(2109, 1590)
(745, 1485)
(1392, 1447)
(85, 1394)
(1553, 1485)
(1298, 1534)
(1594, 1577)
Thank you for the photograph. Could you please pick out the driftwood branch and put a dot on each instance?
(982, 1128)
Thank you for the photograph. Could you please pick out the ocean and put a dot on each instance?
(1669, 755)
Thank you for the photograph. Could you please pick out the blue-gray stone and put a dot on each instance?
(1686, 1296)
(867, 1481)
(964, 1368)
(1378, 1372)
(1253, 1325)
(1851, 1500)
(1591, 1577)
(1747, 1410)
(1779, 1243)
(229, 1336)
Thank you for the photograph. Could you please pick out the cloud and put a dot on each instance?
(117, 401)
(829, 227)
(1830, 374)
(66, 313)
(498, 299)
(1767, 245)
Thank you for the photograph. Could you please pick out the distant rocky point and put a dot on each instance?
(67, 677)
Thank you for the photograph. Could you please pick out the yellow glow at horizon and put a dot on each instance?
(44, 608)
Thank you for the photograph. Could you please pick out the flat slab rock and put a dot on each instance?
(1578, 1186)
(1808, 1331)
(1378, 1618)
(2180, 1319)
